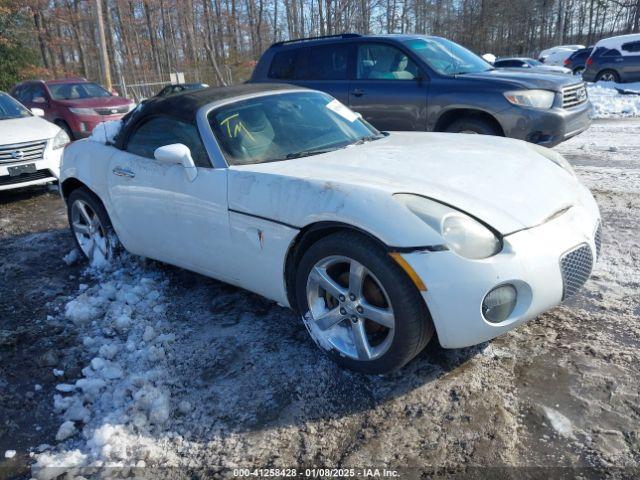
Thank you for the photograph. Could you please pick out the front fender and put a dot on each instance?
(298, 202)
(88, 162)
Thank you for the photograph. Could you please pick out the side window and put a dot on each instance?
(384, 62)
(631, 47)
(611, 53)
(37, 92)
(326, 62)
(160, 131)
(283, 65)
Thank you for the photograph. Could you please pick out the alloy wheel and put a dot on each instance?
(349, 309)
(89, 231)
(608, 77)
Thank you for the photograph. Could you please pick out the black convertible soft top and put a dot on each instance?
(183, 106)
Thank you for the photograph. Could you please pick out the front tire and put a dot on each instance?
(608, 76)
(473, 125)
(91, 227)
(359, 305)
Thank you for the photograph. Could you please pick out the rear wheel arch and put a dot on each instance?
(450, 116)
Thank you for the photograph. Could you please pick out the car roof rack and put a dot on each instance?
(308, 39)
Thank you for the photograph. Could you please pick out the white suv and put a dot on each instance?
(30, 147)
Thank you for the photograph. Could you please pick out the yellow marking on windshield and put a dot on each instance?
(237, 128)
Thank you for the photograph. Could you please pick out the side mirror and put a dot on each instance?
(177, 153)
(40, 100)
(38, 112)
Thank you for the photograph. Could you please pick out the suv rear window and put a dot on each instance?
(283, 65)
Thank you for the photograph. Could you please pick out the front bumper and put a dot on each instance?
(47, 170)
(545, 127)
(530, 261)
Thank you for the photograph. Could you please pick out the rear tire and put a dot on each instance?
(372, 286)
(91, 227)
(578, 71)
(473, 125)
(608, 76)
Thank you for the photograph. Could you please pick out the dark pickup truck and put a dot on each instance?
(424, 83)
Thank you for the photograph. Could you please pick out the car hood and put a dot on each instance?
(521, 79)
(96, 102)
(26, 129)
(503, 182)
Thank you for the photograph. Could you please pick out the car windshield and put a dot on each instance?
(446, 57)
(74, 91)
(10, 108)
(534, 63)
(286, 126)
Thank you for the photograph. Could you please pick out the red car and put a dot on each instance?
(74, 104)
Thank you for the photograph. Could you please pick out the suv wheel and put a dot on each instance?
(608, 76)
(474, 125)
(578, 70)
(359, 305)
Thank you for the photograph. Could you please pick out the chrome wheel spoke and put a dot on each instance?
(82, 208)
(81, 228)
(329, 319)
(327, 283)
(100, 244)
(356, 278)
(380, 316)
(360, 340)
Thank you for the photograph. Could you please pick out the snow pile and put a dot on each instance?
(111, 415)
(610, 103)
(106, 132)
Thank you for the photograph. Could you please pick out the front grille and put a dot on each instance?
(576, 267)
(25, 177)
(574, 95)
(111, 110)
(597, 237)
(22, 152)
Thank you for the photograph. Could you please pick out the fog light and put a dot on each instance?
(499, 303)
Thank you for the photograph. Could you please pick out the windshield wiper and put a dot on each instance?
(308, 153)
(369, 138)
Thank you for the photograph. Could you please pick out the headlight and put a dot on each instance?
(83, 111)
(60, 140)
(531, 98)
(554, 156)
(462, 234)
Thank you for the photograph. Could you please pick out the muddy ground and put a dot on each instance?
(560, 392)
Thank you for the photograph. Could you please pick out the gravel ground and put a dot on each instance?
(238, 383)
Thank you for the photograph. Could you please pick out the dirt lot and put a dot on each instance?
(196, 373)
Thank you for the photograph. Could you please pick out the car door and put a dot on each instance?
(388, 88)
(158, 211)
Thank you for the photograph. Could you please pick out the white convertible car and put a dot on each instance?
(377, 239)
(30, 147)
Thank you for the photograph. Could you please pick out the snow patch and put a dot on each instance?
(9, 454)
(116, 413)
(610, 103)
(561, 424)
(71, 257)
(106, 132)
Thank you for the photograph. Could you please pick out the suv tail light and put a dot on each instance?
(567, 61)
(589, 61)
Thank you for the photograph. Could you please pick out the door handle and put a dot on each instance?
(357, 92)
(123, 172)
